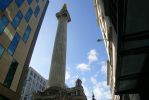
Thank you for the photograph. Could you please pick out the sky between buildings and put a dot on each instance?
(86, 58)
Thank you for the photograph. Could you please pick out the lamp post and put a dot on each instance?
(99, 40)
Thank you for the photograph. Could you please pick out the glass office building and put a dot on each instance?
(20, 22)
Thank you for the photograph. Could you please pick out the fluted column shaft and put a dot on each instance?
(58, 64)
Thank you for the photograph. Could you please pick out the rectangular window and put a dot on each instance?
(4, 4)
(31, 73)
(25, 98)
(19, 2)
(26, 34)
(35, 76)
(11, 72)
(28, 14)
(3, 98)
(37, 1)
(36, 12)
(29, 98)
(16, 21)
(1, 50)
(13, 45)
(30, 79)
(3, 23)
(29, 1)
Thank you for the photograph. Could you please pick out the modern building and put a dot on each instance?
(57, 89)
(125, 29)
(34, 83)
(20, 22)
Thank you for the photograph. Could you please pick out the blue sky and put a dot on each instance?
(86, 58)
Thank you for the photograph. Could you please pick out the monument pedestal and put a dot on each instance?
(52, 93)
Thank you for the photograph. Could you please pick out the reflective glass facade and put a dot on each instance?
(4, 4)
(19, 29)
(29, 1)
(16, 21)
(28, 14)
(26, 34)
(19, 2)
(1, 50)
(36, 12)
(3, 23)
(13, 44)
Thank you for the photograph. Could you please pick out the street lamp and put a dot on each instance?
(99, 40)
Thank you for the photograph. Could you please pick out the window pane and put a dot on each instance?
(1, 50)
(19, 2)
(37, 1)
(10, 74)
(3, 23)
(3, 98)
(4, 4)
(16, 21)
(13, 44)
(29, 1)
(36, 11)
(25, 98)
(26, 33)
(28, 14)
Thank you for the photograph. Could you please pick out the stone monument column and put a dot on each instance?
(58, 63)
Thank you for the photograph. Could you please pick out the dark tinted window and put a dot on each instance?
(28, 14)
(10, 75)
(4, 4)
(26, 33)
(13, 44)
(1, 50)
(17, 19)
(36, 12)
(19, 2)
(3, 23)
(29, 1)
(37, 1)
(3, 98)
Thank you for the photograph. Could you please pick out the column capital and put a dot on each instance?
(63, 13)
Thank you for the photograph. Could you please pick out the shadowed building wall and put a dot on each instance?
(125, 30)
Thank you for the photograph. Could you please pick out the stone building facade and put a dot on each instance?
(20, 22)
(57, 93)
(124, 26)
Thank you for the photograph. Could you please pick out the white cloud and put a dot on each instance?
(67, 76)
(97, 73)
(100, 89)
(77, 76)
(93, 80)
(104, 67)
(83, 67)
(92, 56)
(83, 79)
(87, 91)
